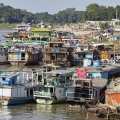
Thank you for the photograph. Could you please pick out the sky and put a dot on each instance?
(53, 6)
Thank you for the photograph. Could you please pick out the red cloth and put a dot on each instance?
(81, 73)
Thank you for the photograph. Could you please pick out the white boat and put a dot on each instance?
(12, 91)
(23, 27)
(53, 89)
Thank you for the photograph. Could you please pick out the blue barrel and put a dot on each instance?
(96, 63)
(87, 62)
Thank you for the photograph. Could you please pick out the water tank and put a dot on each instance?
(87, 62)
(96, 63)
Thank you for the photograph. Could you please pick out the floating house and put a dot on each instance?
(23, 27)
(89, 83)
(55, 53)
(3, 54)
(12, 91)
(54, 88)
(40, 34)
(24, 54)
(112, 94)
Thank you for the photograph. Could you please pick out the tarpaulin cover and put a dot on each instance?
(81, 73)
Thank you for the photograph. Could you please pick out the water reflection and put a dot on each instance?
(44, 112)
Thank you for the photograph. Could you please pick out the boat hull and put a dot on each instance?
(17, 63)
(45, 101)
(16, 101)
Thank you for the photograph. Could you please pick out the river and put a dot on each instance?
(41, 112)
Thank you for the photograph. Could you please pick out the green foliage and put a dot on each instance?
(93, 12)
(7, 26)
(104, 26)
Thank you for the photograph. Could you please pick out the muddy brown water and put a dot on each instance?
(45, 112)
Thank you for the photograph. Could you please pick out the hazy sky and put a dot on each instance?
(53, 6)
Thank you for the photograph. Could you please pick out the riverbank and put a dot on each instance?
(7, 26)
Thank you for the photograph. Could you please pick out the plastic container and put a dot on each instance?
(87, 62)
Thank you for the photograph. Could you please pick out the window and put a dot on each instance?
(3, 78)
(51, 90)
(86, 84)
(22, 56)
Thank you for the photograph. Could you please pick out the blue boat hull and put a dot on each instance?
(17, 101)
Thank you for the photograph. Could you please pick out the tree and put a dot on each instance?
(93, 12)
(104, 26)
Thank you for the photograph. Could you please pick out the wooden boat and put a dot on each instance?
(3, 54)
(24, 55)
(38, 34)
(12, 91)
(81, 91)
(54, 88)
(56, 53)
(112, 93)
(8, 35)
(23, 27)
(41, 34)
(93, 81)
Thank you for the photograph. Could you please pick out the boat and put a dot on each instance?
(81, 91)
(20, 32)
(37, 34)
(91, 82)
(23, 27)
(8, 35)
(56, 53)
(41, 34)
(3, 54)
(53, 89)
(12, 90)
(112, 93)
(24, 54)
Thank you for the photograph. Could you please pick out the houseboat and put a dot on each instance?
(38, 34)
(21, 31)
(23, 27)
(41, 33)
(24, 55)
(96, 80)
(12, 90)
(54, 88)
(3, 54)
(55, 53)
(112, 94)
